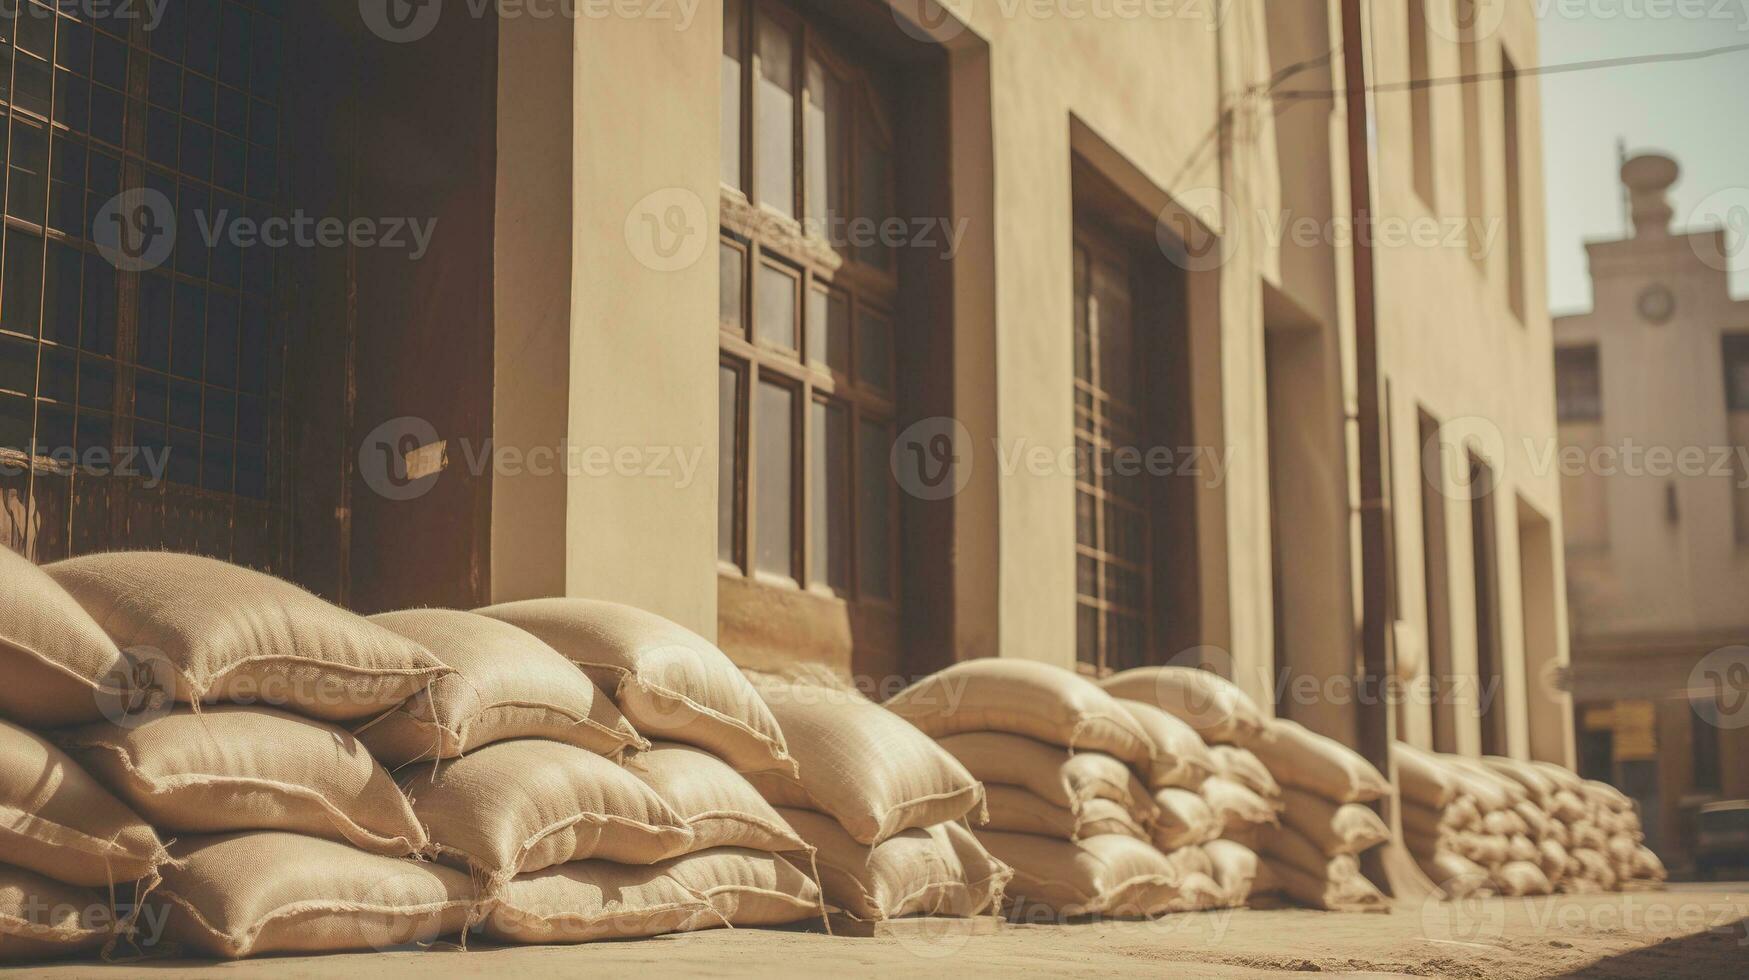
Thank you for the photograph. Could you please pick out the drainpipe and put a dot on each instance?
(1391, 866)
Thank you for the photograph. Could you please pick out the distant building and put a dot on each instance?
(1653, 391)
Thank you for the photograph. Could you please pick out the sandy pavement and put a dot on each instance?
(1689, 931)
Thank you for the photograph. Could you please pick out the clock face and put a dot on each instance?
(1657, 304)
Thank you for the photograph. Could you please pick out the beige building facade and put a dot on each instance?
(1654, 409)
(1145, 213)
(871, 334)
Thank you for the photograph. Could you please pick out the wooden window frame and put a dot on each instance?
(766, 235)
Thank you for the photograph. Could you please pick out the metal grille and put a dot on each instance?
(1114, 569)
(104, 370)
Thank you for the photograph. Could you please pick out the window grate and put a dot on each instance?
(178, 364)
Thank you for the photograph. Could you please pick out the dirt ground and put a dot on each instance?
(1689, 931)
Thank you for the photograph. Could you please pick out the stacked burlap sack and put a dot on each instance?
(66, 843)
(568, 845)
(884, 807)
(1314, 859)
(1215, 798)
(1504, 826)
(222, 726)
(1065, 769)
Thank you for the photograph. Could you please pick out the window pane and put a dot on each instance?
(732, 59)
(732, 294)
(829, 495)
(774, 490)
(875, 511)
(774, 116)
(829, 330)
(874, 192)
(728, 460)
(823, 140)
(1578, 390)
(874, 356)
(1736, 371)
(1116, 327)
(776, 321)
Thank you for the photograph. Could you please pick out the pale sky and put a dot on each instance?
(1697, 112)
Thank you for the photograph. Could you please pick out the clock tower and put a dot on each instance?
(1652, 388)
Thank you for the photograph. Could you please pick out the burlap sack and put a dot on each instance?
(862, 764)
(1181, 760)
(59, 822)
(1621, 851)
(749, 889)
(1490, 791)
(1515, 878)
(940, 870)
(1586, 834)
(1219, 711)
(1350, 828)
(1522, 849)
(210, 632)
(716, 803)
(1290, 848)
(1418, 819)
(1345, 889)
(1553, 859)
(507, 684)
(671, 683)
(1536, 820)
(1424, 779)
(1559, 834)
(1464, 814)
(1114, 876)
(1457, 876)
(1567, 807)
(1017, 811)
(1503, 823)
(1185, 820)
(1235, 870)
(1534, 782)
(241, 895)
(1197, 888)
(1191, 860)
(1608, 797)
(1023, 697)
(1647, 866)
(1486, 850)
(1237, 807)
(591, 901)
(1561, 776)
(1303, 759)
(59, 665)
(528, 805)
(1243, 767)
(42, 919)
(232, 769)
(1065, 779)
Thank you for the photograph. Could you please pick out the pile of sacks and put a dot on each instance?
(1503, 826)
(1068, 809)
(529, 804)
(1314, 859)
(884, 808)
(1216, 800)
